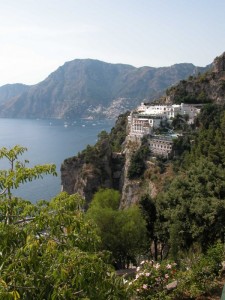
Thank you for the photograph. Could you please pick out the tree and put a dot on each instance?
(122, 232)
(17, 174)
(54, 254)
(49, 250)
(149, 212)
(193, 206)
(137, 164)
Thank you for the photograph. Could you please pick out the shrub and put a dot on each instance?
(152, 279)
(201, 276)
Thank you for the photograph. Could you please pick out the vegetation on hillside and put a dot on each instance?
(122, 232)
(49, 250)
(107, 142)
(54, 250)
(137, 164)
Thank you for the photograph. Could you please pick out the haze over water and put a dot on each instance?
(48, 141)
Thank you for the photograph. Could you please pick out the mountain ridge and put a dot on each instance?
(93, 89)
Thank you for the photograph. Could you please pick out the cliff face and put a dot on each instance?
(110, 170)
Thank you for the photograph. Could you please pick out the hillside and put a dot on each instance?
(75, 176)
(206, 88)
(92, 89)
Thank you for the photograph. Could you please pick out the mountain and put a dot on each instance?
(9, 91)
(91, 88)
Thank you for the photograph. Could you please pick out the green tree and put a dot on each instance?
(17, 174)
(196, 202)
(49, 250)
(52, 253)
(149, 212)
(118, 228)
(137, 164)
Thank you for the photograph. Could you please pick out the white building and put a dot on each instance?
(142, 124)
(148, 117)
(169, 111)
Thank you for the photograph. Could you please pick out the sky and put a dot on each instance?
(38, 36)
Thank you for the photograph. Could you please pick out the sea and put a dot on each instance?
(48, 141)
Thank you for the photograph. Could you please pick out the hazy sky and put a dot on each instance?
(37, 36)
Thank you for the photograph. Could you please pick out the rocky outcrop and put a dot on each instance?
(85, 178)
(133, 189)
(109, 171)
(219, 64)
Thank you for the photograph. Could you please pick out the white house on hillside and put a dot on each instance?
(169, 111)
(148, 117)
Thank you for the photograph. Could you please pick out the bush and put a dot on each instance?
(201, 276)
(152, 279)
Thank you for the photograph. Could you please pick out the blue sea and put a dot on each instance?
(48, 141)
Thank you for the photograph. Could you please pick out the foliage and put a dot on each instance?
(118, 228)
(118, 133)
(152, 279)
(137, 164)
(93, 154)
(198, 276)
(179, 123)
(196, 199)
(210, 116)
(181, 145)
(149, 212)
(53, 254)
(148, 208)
(18, 173)
(106, 142)
(49, 250)
(191, 208)
(195, 275)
